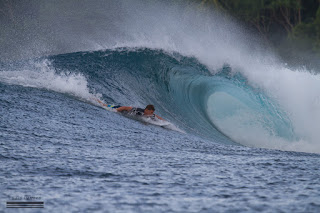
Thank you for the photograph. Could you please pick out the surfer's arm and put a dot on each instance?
(159, 117)
(124, 108)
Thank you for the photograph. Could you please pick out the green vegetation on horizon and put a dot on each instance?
(290, 25)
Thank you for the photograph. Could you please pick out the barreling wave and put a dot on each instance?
(220, 104)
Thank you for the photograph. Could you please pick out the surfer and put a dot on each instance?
(148, 111)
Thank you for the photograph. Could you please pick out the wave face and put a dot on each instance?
(223, 105)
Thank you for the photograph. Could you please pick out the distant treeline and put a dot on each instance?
(297, 19)
(290, 25)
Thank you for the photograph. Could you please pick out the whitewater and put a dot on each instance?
(244, 134)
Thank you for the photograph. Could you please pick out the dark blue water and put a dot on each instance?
(57, 145)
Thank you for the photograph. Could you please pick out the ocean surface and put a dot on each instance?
(241, 146)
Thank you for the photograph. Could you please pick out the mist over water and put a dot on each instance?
(49, 28)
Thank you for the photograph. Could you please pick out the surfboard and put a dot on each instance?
(147, 120)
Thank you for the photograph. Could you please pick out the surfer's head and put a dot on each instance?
(149, 110)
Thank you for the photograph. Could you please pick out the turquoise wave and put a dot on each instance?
(218, 106)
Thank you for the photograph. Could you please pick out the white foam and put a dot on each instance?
(43, 76)
(297, 92)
